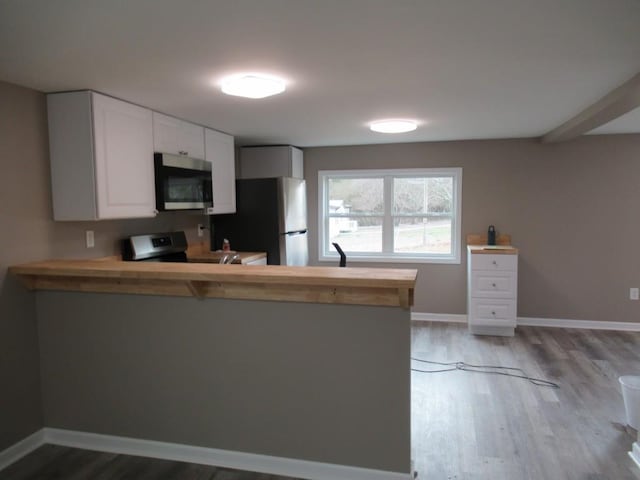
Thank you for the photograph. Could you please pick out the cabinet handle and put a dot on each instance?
(494, 285)
(493, 313)
(495, 263)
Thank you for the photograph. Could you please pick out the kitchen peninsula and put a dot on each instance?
(361, 286)
(306, 365)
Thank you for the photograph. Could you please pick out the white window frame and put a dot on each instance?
(327, 253)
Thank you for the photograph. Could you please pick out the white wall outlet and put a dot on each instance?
(90, 239)
(200, 230)
(634, 294)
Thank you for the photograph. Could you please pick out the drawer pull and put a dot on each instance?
(493, 313)
(495, 263)
(494, 285)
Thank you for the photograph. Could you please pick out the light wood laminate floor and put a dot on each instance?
(477, 426)
(465, 426)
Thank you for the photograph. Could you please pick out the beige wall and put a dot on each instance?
(27, 233)
(24, 227)
(571, 208)
(325, 383)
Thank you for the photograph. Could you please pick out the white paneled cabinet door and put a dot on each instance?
(172, 135)
(123, 141)
(219, 151)
(101, 156)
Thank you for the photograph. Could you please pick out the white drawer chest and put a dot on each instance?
(492, 289)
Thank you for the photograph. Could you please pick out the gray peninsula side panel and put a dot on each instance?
(325, 383)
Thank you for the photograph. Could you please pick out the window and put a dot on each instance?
(410, 215)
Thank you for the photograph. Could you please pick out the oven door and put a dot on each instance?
(182, 183)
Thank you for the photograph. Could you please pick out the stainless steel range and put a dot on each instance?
(156, 247)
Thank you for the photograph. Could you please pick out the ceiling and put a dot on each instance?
(465, 69)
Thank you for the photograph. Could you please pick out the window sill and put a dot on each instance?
(388, 259)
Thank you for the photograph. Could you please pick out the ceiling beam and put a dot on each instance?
(614, 104)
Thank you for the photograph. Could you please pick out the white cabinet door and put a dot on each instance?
(101, 156)
(219, 150)
(490, 284)
(123, 141)
(495, 262)
(172, 135)
(297, 163)
(492, 312)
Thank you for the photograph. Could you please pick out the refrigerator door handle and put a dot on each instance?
(294, 249)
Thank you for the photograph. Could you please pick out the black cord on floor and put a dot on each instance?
(490, 369)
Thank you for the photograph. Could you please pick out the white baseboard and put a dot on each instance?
(438, 317)
(534, 322)
(20, 449)
(186, 453)
(587, 324)
(635, 453)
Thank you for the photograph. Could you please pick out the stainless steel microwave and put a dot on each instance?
(182, 183)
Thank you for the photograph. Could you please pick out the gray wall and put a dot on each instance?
(571, 208)
(24, 229)
(326, 383)
(27, 233)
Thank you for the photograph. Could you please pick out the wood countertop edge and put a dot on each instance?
(483, 250)
(211, 272)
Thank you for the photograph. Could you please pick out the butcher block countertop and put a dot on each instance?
(357, 286)
(493, 249)
(477, 243)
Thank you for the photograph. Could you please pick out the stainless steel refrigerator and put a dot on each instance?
(271, 216)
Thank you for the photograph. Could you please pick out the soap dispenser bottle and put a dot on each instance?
(491, 235)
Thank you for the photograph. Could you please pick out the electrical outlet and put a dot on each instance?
(634, 294)
(200, 230)
(90, 239)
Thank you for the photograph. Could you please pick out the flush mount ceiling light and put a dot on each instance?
(252, 85)
(393, 126)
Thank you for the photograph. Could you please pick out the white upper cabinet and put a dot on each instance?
(271, 161)
(101, 152)
(172, 135)
(219, 151)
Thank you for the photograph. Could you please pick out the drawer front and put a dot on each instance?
(480, 261)
(480, 309)
(489, 284)
(260, 261)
